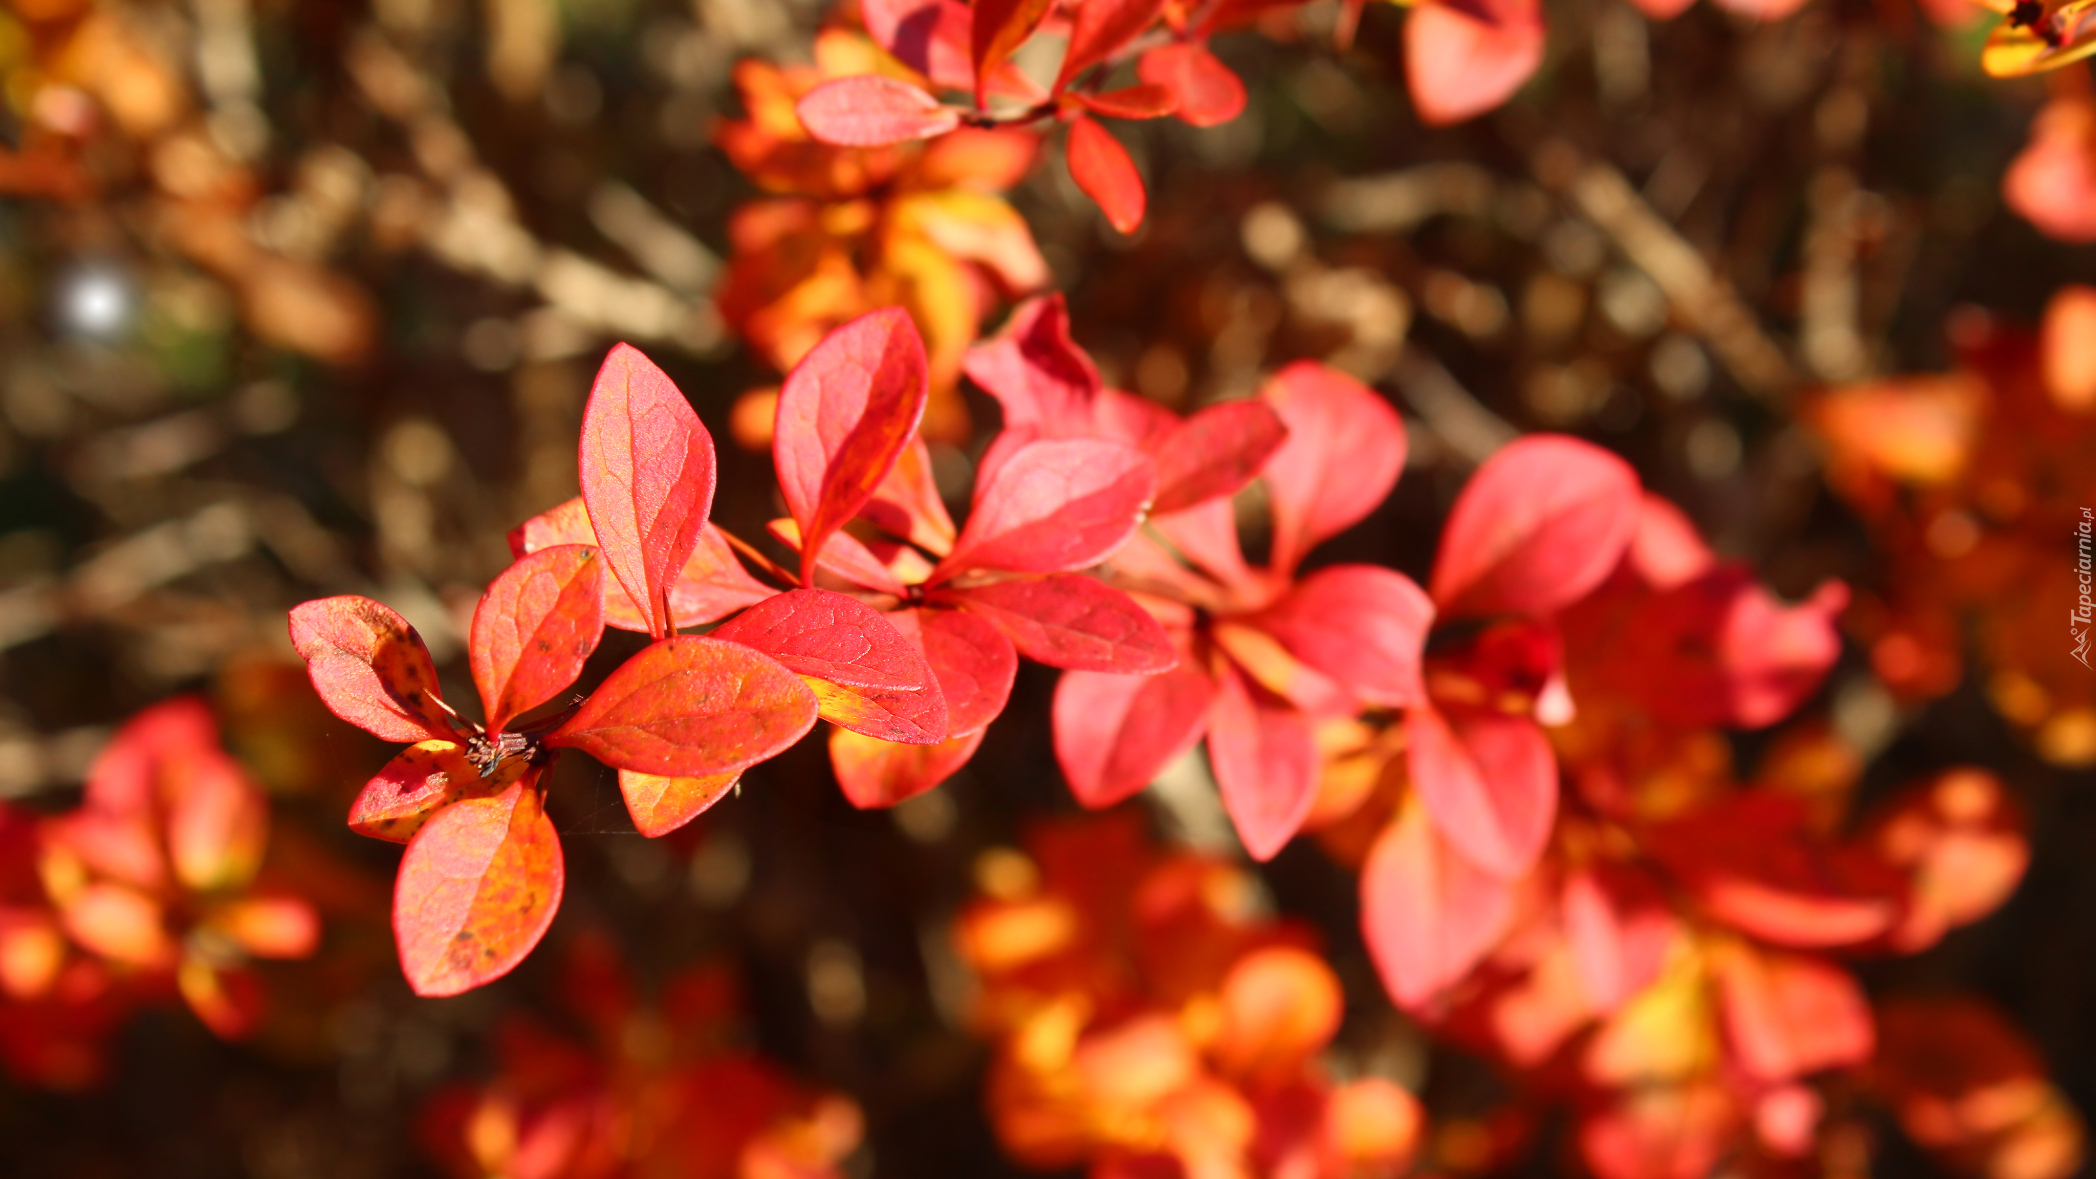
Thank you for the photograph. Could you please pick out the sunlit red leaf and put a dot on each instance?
(1787, 1015)
(1488, 779)
(1539, 525)
(418, 781)
(712, 583)
(1105, 172)
(1146, 101)
(999, 27)
(660, 805)
(873, 111)
(876, 773)
(535, 627)
(1209, 92)
(846, 412)
(1070, 622)
(1427, 913)
(1362, 625)
(1214, 453)
(1115, 733)
(830, 636)
(647, 472)
(1055, 506)
(370, 668)
(1042, 380)
(974, 662)
(477, 888)
(691, 707)
(1463, 60)
(1264, 754)
(1100, 29)
(1344, 450)
(913, 718)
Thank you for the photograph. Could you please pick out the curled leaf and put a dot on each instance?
(370, 668)
(419, 781)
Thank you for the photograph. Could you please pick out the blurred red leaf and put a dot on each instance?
(1209, 92)
(1264, 756)
(1787, 1015)
(1071, 622)
(660, 805)
(691, 707)
(1214, 453)
(1362, 625)
(1721, 650)
(477, 889)
(535, 627)
(1055, 506)
(647, 471)
(2052, 182)
(1540, 524)
(830, 636)
(217, 822)
(1099, 30)
(1619, 930)
(876, 773)
(1427, 913)
(1488, 779)
(929, 36)
(370, 668)
(1145, 101)
(873, 111)
(846, 411)
(1344, 450)
(999, 27)
(1754, 865)
(1115, 733)
(1104, 171)
(1463, 60)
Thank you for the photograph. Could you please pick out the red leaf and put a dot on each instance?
(1540, 524)
(974, 662)
(846, 411)
(1488, 779)
(912, 718)
(1055, 506)
(1427, 913)
(1103, 170)
(1721, 650)
(1207, 536)
(876, 773)
(1214, 453)
(421, 780)
(1100, 29)
(846, 556)
(125, 777)
(929, 36)
(535, 627)
(1264, 755)
(1459, 64)
(1115, 733)
(1070, 622)
(660, 805)
(370, 668)
(1344, 451)
(477, 888)
(712, 584)
(647, 478)
(1619, 930)
(1043, 381)
(1754, 865)
(1363, 625)
(815, 632)
(690, 707)
(999, 27)
(1787, 1015)
(1209, 92)
(1146, 101)
(907, 502)
(872, 111)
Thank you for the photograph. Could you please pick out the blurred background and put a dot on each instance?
(304, 298)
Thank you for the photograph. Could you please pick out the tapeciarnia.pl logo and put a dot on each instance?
(2085, 609)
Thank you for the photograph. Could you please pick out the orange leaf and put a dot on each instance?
(1103, 170)
(477, 889)
(660, 805)
(419, 781)
(877, 773)
(691, 707)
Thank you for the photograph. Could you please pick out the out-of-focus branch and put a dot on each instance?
(1461, 420)
(1704, 303)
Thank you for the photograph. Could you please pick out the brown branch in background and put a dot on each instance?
(1460, 419)
(1705, 303)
